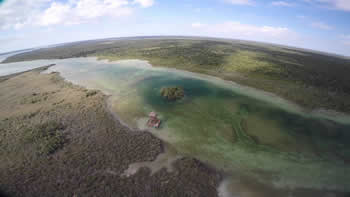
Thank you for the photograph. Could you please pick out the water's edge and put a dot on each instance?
(248, 91)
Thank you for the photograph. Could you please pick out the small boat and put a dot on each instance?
(153, 120)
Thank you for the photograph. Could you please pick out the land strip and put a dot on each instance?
(58, 139)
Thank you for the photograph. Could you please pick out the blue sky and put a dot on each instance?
(314, 24)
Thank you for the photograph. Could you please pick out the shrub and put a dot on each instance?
(172, 93)
(47, 137)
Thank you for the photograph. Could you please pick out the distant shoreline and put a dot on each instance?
(299, 76)
(184, 37)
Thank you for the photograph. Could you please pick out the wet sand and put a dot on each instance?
(164, 160)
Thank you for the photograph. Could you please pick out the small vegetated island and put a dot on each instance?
(172, 93)
(266, 139)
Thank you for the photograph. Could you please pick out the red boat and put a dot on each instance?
(153, 121)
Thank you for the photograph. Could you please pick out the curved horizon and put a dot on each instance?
(312, 24)
(180, 36)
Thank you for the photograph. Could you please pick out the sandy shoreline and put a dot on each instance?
(96, 150)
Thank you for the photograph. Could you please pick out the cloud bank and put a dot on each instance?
(18, 13)
(333, 4)
(282, 3)
(345, 39)
(321, 25)
(244, 31)
(240, 2)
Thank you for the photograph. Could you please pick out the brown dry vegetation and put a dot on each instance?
(58, 139)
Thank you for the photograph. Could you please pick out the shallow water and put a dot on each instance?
(234, 128)
(10, 68)
(163, 160)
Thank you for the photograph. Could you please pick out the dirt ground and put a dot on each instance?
(58, 139)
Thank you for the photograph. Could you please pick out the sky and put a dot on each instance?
(322, 25)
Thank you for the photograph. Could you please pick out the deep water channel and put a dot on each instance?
(233, 128)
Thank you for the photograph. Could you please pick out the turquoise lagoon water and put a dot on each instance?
(233, 128)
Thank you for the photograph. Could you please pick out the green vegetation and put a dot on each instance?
(247, 62)
(47, 137)
(172, 93)
(309, 79)
(91, 93)
(313, 80)
(218, 126)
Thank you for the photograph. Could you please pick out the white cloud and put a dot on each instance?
(244, 31)
(272, 34)
(197, 10)
(55, 14)
(240, 2)
(145, 3)
(80, 11)
(342, 4)
(262, 33)
(334, 4)
(345, 39)
(321, 25)
(18, 13)
(196, 25)
(282, 3)
(97, 8)
(346, 36)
